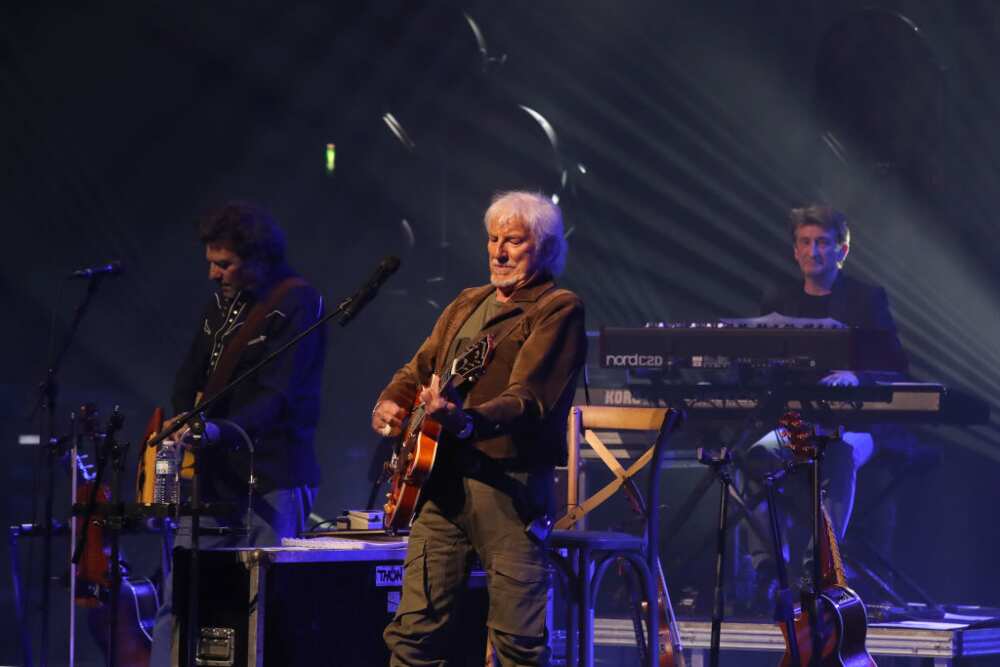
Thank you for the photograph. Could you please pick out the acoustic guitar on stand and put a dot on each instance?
(842, 619)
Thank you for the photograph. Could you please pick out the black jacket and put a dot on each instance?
(278, 408)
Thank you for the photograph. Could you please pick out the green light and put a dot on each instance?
(331, 158)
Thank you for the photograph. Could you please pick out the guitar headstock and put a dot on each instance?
(806, 438)
(88, 418)
(85, 425)
(799, 433)
(471, 363)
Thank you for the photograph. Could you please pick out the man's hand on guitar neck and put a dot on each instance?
(184, 433)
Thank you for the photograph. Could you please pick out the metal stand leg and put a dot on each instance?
(817, 566)
(586, 611)
(718, 463)
(573, 615)
(22, 618)
(718, 608)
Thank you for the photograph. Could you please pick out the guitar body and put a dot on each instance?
(668, 633)
(411, 466)
(843, 629)
(843, 621)
(137, 604)
(667, 655)
(413, 457)
(145, 478)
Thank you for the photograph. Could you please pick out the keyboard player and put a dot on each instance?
(821, 242)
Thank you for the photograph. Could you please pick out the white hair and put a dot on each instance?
(542, 218)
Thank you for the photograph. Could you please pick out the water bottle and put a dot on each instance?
(167, 484)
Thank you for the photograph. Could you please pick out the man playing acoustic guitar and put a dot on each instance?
(493, 473)
(264, 430)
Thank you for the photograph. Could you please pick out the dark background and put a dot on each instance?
(686, 131)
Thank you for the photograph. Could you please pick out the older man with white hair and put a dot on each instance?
(495, 473)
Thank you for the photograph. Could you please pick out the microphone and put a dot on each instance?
(112, 268)
(386, 268)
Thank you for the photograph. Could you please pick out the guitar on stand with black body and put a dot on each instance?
(830, 626)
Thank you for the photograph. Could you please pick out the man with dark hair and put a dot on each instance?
(495, 472)
(259, 455)
(821, 241)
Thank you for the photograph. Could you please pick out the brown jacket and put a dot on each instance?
(521, 403)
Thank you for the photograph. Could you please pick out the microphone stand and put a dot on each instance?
(348, 309)
(718, 464)
(784, 606)
(48, 391)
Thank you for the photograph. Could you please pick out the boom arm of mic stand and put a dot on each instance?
(205, 405)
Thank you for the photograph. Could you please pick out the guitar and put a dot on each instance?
(145, 478)
(137, 598)
(413, 456)
(842, 619)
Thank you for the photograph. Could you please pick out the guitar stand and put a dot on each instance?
(769, 406)
(111, 450)
(784, 605)
(815, 622)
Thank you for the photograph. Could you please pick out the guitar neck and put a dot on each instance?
(839, 576)
(675, 633)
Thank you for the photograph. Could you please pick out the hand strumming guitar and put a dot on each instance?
(387, 418)
(184, 433)
(442, 408)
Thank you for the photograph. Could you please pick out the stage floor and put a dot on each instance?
(940, 643)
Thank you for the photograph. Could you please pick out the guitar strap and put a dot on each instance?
(492, 472)
(251, 328)
(515, 321)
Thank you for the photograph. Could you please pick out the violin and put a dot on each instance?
(842, 622)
